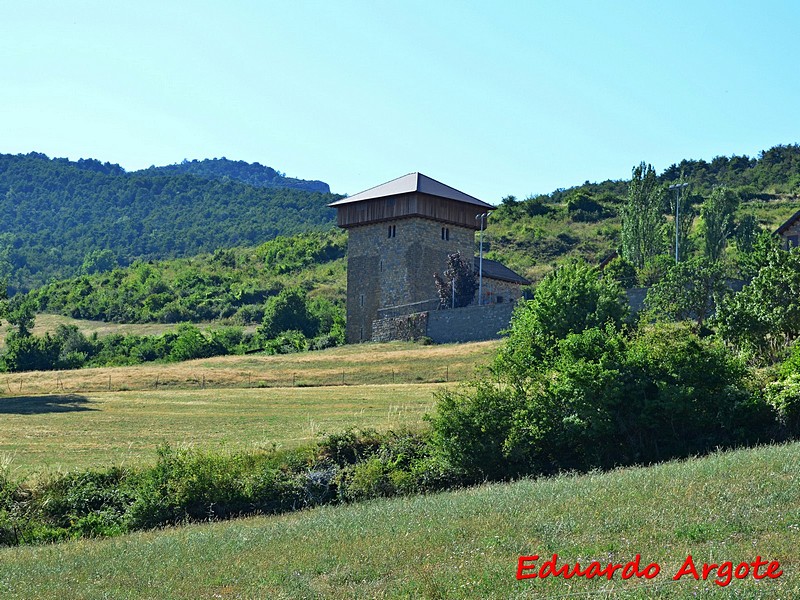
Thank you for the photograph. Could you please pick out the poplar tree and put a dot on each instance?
(642, 216)
(717, 213)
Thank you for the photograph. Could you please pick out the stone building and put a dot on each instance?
(399, 234)
(789, 232)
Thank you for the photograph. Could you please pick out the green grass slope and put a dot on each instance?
(731, 506)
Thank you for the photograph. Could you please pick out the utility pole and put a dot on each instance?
(677, 187)
(482, 218)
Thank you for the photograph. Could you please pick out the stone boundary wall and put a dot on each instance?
(404, 327)
(469, 324)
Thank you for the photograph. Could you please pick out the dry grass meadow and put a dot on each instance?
(98, 417)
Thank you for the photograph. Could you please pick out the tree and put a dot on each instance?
(99, 261)
(689, 290)
(22, 315)
(760, 254)
(459, 277)
(605, 398)
(288, 311)
(717, 213)
(764, 318)
(747, 231)
(569, 300)
(642, 216)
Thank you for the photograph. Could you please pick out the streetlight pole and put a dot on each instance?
(677, 187)
(482, 218)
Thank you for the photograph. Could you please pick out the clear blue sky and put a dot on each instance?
(493, 98)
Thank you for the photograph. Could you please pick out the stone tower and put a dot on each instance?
(400, 234)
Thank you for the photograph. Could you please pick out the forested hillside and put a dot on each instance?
(253, 174)
(62, 218)
(59, 218)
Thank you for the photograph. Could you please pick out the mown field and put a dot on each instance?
(98, 417)
(731, 506)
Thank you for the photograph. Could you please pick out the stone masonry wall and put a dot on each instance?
(469, 324)
(405, 327)
(497, 291)
(791, 237)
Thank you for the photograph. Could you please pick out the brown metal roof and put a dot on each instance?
(413, 182)
(495, 270)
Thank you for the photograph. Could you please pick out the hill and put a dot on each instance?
(253, 174)
(227, 284)
(536, 233)
(59, 218)
(731, 506)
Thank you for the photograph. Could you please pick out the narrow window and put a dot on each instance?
(447, 233)
(381, 266)
(361, 334)
(442, 232)
(362, 299)
(394, 230)
(390, 231)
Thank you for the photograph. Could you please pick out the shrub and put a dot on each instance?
(569, 300)
(603, 398)
(622, 271)
(784, 397)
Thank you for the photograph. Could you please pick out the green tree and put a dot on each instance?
(764, 318)
(717, 214)
(764, 246)
(30, 352)
(99, 261)
(621, 271)
(642, 216)
(191, 343)
(746, 234)
(569, 300)
(288, 311)
(22, 315)
(603, 399)
(689, 290)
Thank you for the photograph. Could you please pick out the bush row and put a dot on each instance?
(192, 486)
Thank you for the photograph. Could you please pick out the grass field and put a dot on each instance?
(731, 506)
(61, 420)
(58, 432)
(396, 362)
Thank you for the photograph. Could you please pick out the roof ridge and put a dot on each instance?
(385, 182)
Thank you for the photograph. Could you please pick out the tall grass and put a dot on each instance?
(465, 544)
